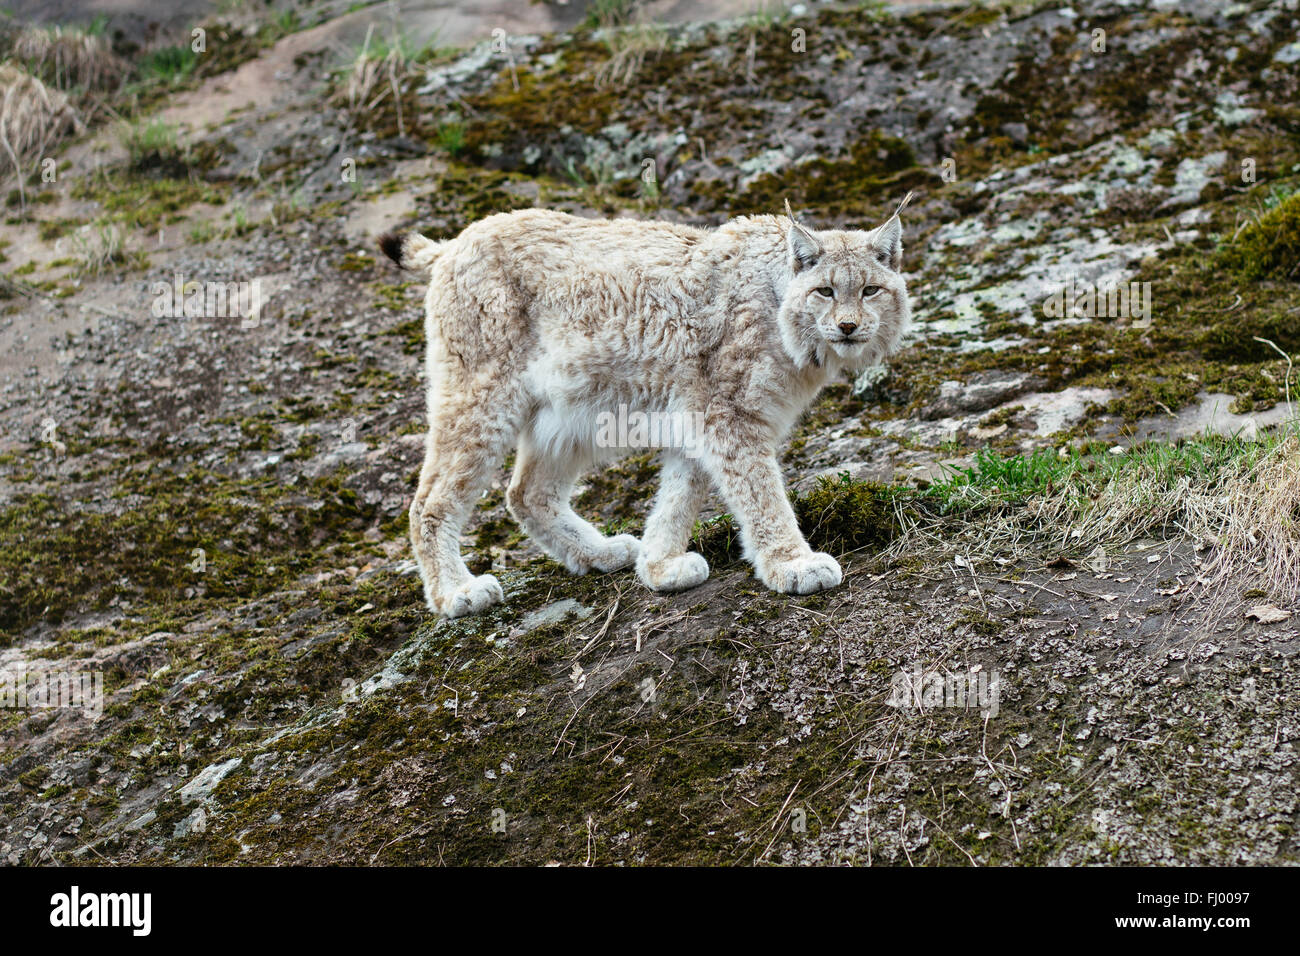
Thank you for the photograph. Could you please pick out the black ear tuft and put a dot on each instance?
(391, 243)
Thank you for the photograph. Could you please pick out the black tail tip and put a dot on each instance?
(391, 244)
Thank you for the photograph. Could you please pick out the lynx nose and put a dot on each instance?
(848, 327)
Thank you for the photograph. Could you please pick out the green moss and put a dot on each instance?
(1206, 320)
(980, 16)
(393, 295)
(841, 514)
(1269, 247)
(878, 167)
(980, 622)
(620, 490)
(507, 124)
(146, 203)
(356, 262)
(254, 538)
(229, 47)
(465, 194)
(410, 334)
(260, 432)
(34, 777)
(718, 540)
(479, 774)
(51, 229)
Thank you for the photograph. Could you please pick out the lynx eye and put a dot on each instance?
(869, 291)
(826, 291)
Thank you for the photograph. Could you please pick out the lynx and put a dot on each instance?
(538, 324)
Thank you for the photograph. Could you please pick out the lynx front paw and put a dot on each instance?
(679, 573)
(803, 575)
(476, 594)
(616, 553)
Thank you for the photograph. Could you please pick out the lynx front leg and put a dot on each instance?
(538, 497)
(665, 564)
(751, 484)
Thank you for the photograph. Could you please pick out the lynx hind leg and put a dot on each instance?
(461, 453)
(539, 498)
(664, 563)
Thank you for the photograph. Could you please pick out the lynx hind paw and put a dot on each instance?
(804, 575)
(475, 595)
(616, 553)
(678, 573)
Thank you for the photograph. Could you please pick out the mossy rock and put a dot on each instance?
(1268, 248)
(171, 536)
(841, 514)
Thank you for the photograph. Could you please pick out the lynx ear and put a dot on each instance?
(887, 240)
(804, 249)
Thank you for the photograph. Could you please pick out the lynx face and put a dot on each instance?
(846, 298)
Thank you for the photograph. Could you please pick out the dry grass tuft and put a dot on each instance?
(1257, 520)
(629, 48)
(69, 58)
(1249, 512)
(98, 247)
(1239, 498)
(1129, 505)
(380, 69)
(33, 118)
